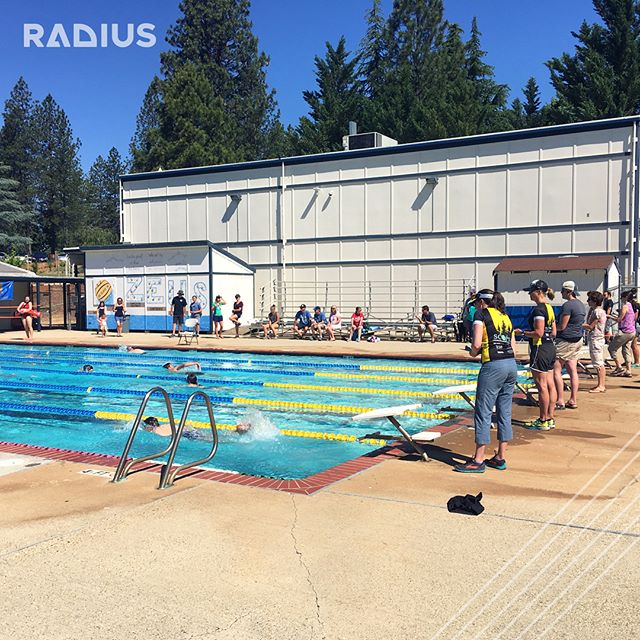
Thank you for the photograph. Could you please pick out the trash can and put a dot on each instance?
(125, 324)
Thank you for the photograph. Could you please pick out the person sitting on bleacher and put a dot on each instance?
(357, 325)
(428, 322)
(302, 321)
(334, 324)
(270, 328)
(318, 323)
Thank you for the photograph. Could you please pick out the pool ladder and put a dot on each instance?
(169, 472)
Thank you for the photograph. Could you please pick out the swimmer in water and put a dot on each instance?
(243, 427)
(152, 425)
(87, 368)
(192, 380)
(170, 367)
(135, 350)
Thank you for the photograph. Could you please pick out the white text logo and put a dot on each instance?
(81, 36)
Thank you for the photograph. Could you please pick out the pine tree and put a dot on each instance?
(517, 116)
(59, 186)
(488, 113)
(16, 139)
(602, 78)
(373, 68)
(147, 124)
(337, 100)
(103, 193)
(535, 114)
(410, 102)
(15, 217)
(194, 128)
(216, 36)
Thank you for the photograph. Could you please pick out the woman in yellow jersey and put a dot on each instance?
(492, 338)
(542, 353)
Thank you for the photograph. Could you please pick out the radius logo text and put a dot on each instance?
(82, 36)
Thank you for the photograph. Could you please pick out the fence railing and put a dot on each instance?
(380, 300)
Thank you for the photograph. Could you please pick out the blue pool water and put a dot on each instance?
(38, 381)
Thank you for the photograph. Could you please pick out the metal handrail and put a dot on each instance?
(124, 467)
(169, 473)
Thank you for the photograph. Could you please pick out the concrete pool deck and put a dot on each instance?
(374, 556)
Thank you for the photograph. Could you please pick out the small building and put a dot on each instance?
(147, 277)
(59, 299)
(590, 273)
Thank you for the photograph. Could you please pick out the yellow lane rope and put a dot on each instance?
(333, 408)
(386, 392)
(381, 367)
(391, 379)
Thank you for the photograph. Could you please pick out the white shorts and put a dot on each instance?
(596, 351)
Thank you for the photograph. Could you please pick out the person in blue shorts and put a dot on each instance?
(302, 321)
(318, 323)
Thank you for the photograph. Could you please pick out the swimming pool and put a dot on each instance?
(300, 407)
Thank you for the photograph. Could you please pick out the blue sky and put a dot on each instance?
(101, 89)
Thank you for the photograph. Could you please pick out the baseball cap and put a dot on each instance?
(537, 285)
(316, 308)
(570, 285)
(303, 306)
(180, 292)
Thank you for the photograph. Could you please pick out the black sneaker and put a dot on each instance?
(496, 463)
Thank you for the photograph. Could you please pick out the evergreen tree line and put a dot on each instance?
(414, 76)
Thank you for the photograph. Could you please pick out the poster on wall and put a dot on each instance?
(174, 285)
(134, 291)
(155, 294)
(103, 291)
(6, 290)
(199, 289)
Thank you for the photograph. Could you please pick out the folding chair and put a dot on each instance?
(390, 414)
(188, 332)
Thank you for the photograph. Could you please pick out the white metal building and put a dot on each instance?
(398, 226)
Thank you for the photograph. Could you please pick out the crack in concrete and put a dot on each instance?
(304, 565)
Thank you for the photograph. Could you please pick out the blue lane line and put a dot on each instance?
(62, 411)
(146, 365)
(6, 384)
(133, 376)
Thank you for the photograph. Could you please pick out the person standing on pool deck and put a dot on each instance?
(216, 312)
(622, 340)
(542, 353)
(236, 314)
(493, 339)
(596, 326)
(569, 344)
(101, 315)
(119, 311)
(195, 309)
(607, 307)
(25, 311)
(178, 305)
